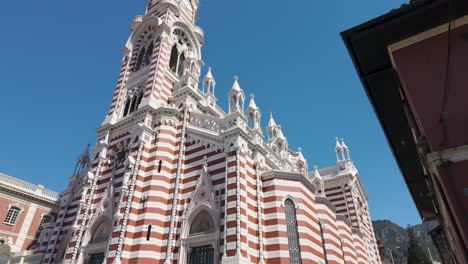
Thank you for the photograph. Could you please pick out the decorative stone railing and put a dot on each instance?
(29, 188)
(207, 122)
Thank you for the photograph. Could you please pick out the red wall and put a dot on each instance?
(421, 68)
(15, 229)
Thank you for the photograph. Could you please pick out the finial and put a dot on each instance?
(252, 96)
(205, 163)
(299, 149)
(209, 68)
(315, 167)
(236, 78)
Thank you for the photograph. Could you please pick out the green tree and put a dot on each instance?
(416, 254)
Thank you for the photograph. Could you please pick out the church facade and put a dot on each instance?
(173, 178)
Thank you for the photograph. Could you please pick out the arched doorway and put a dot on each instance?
(95, 250)
(200, 245)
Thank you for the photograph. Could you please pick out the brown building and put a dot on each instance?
(413, 65)
(25, 209)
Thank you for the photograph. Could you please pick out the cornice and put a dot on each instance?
(24, 196)
(294, 176)
(325, 201)
(344, 219)
(136, 117)
(357, 232)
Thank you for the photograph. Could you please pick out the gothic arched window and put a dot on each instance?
(174, 59)
(293, 235)
(202, 223)
(144, 54)
(12, 215)
(149, 54)
(179, 52)
(140, 59)
(133, 100)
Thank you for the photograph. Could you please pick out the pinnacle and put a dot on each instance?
(272, 122)
(252, 103)
(236, 86)
(338, 145)
(209, 75)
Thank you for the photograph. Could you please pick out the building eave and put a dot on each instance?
(367, 45)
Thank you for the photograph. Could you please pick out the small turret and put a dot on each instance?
(236, 97)
(209, 82)
(271, 128)
(338, 150)
(319, 183)
(301, 162)
(346, 155)
(253, 114)
(280, 134)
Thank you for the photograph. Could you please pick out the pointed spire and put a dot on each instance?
(236, 86)
(300, 156)
(280, 134)
(316, 173)
(253, 114)
(272, 127)
(272, 122)
(345, 150)
(252, 103)
(343, 145)
(209, 82)
(338, 147)
(236, 97)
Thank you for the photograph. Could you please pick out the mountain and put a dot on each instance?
(396, 239)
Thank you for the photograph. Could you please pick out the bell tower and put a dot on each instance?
(161, 54)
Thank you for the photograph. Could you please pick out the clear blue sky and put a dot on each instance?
(60, 62)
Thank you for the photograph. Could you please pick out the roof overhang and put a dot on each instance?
(368, 45)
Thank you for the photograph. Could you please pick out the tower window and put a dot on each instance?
(12, 215)
(145, 56)
(174, 59)
(293, 235)
(176, 62)
(140, 59)
(179, 52)
(133, 100)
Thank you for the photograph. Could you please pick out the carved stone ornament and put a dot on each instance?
(120, 154)
(203, 193)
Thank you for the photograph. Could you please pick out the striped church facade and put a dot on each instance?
(173, 178)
